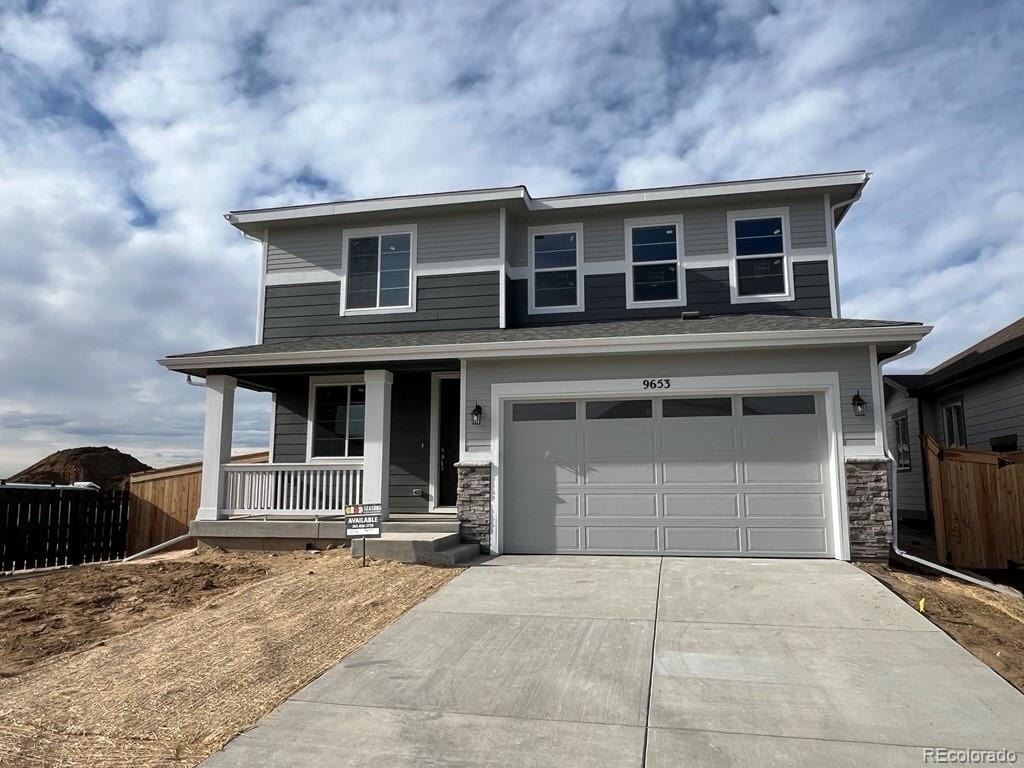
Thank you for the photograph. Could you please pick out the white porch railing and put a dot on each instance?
(291, 489)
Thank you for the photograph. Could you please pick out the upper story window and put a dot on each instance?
(655, 273)
(901, 437)
(556, 253)
(760, 267)
(955, 431)
(338, 421)
(379, 270)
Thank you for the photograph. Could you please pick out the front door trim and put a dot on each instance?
(825, 382)
(434, 481)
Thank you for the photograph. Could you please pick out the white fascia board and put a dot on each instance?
(696, 191)
(375, 205)
(547, 347)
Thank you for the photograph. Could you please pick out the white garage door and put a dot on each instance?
(724, 475)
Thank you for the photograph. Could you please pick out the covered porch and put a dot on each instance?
(339, 436)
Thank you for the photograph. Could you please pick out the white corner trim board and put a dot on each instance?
(824, 382)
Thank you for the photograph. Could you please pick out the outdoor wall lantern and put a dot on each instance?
(476, 416)
(857, 402)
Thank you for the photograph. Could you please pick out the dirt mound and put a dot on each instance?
(107, 467)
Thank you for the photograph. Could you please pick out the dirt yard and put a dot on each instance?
(159, 664)
(988, 624)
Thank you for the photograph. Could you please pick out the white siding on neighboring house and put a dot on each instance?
(850, 363)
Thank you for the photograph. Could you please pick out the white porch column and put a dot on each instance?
(220, 418)
(377, 444)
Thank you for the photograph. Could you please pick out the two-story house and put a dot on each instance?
(655, 371)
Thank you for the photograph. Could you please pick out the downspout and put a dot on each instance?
(835, 252)
(902, 553)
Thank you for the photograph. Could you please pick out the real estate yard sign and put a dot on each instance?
(362, 521)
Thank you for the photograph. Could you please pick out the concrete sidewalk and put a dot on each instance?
(617, 661)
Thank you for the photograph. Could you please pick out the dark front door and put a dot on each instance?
(448, 442)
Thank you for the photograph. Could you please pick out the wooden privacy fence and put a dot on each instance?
(977, 499)
(46, 527)
(165, 501)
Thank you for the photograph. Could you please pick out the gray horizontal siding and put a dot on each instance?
(993, 407)
(705, 226)
(705, 232)
(410, 435)
(443, 302)
(304, 248)
(807, 222)
(707, 290)
(910, 488)
(472, 235)
(852, 364)
(290, 422)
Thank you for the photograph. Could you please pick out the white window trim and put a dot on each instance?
(950, 443)
(787, 256)
(328, 381)
(556, 229)
(395, 229)
(904, 417)
(655, 221)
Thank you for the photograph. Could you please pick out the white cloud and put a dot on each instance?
(130, 127)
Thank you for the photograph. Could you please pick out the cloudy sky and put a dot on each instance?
(129, 128)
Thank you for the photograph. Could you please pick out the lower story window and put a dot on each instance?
(339, 421)
(901, 435)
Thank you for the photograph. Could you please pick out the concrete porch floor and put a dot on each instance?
(590, 661)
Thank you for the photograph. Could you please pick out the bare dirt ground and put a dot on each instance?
(161, 664)
(988, 624)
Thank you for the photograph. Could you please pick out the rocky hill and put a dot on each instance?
(107, 467)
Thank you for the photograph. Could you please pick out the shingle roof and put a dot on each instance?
(997, 348)
(624, 329)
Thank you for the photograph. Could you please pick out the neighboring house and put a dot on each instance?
(658, 371)
(973, 400)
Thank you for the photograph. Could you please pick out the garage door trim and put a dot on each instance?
(824, 382)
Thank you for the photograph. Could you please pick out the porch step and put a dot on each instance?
(393, 525)
(433, 548)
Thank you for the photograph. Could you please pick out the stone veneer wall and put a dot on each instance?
(868, 502)
(473, 502)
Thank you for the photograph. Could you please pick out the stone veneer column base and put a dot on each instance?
(473, 502)
(868, 503)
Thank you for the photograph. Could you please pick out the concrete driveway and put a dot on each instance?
(617, 661)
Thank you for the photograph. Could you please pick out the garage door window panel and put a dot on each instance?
(778, 405)
(619, 409)
(544, 411)
(696, 407)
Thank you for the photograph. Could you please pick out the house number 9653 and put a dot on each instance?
(657, 383)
